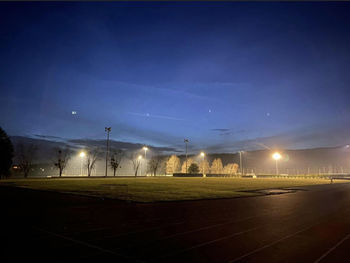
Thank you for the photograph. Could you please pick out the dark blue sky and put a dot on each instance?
(228, 76)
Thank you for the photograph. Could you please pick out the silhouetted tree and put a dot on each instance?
(154, 164)
(193, 169)
(62, 158)
(6, 153)
(26, 154)
(91, 158)
(116, 157)
(189, 162)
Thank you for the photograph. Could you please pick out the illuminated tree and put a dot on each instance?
(216, 166)
(204, 167)
(6, 153)
(189, 162)
(193, 169)
(231, 169)
(173, 165)
(62, 158)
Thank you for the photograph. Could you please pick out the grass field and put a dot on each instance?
(160, 189)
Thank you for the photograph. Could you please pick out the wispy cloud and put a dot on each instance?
(221, 130)
(148, 115)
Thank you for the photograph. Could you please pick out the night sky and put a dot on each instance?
(228, 76)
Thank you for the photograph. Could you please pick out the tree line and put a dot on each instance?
(173, 165)
(157, 164)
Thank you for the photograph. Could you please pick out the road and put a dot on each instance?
(309, 225)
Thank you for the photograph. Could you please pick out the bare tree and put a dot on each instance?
(26, 154)
(154, 164)
(116, 157)
(162, 165)
(62, 158)
(91, 158)
(136, 161)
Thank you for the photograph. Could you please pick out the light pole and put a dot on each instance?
(108, 130)
(186, 141)
(203, 155)
(240, 162)
(82, 155)
(145, 149)
(276, 156)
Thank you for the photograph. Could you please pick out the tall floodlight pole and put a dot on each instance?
(240, 162)
(186, 141)
(108, 130)
(145, 149)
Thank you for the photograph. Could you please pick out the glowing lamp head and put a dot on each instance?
(140, 157)
(82, 154)
(276, 156)
(202, 154)
(145, 148)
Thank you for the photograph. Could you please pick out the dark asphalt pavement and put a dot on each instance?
(309, 225)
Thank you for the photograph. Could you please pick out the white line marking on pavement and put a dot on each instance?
(271, 244)
(332, 248)
(85, 244)
(209, 242)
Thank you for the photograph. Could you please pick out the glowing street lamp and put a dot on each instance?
(203, 156)
(81, 155)
(276, 156)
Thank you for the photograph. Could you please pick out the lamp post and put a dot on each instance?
(186, 142)
(203, 155)
(276, 156)
(108, 130)
(145, 149)
(240, 162)
(82, 155)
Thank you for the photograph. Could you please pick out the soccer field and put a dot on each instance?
(161, 189)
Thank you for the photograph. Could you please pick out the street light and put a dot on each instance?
(203, 155)
(186, 142)
(81, 155)
(240, 162)
(108, 130)
(145, 149)
(276, 156)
